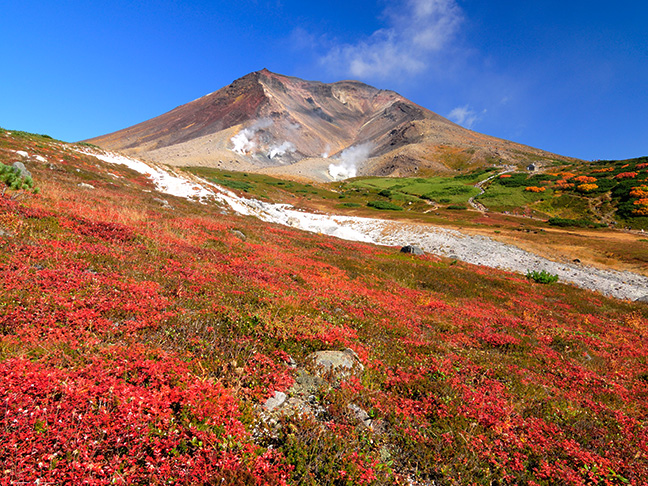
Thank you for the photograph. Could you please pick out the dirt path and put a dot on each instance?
(480, 185)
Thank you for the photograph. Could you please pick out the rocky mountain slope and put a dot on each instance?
(288, 126)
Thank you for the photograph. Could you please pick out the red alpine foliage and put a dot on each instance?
(137, 346)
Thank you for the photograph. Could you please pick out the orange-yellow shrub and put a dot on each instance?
(586, 187)
(642, 207)
(584, 179)
(640, 192)
(563, 184)
(607, 169)
(535, 189)
(626, 175)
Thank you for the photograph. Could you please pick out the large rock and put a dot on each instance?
(414, 250)
(22, 169)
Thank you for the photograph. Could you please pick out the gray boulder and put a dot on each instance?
(275, 401)
(642, 299)
(22, 169)
(414, 250)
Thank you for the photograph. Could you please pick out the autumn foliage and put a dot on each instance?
(138, 344)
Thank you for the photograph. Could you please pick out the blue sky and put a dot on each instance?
(566, 76)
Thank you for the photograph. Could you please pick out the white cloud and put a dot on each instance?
(416, 30)
(465, 116)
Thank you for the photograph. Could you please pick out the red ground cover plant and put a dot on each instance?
(137, 345)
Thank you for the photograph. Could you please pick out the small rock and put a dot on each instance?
(642, 299)
(22, 169)
(414, 250)
(239, 234)
(576, 260)
(165, 204)
(85, 186)
(362, 416)
(275, 401)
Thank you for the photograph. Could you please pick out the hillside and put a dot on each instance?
(143, 333)
(267, 122)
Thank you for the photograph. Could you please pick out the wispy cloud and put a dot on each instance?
(465, 116)
(415, 31)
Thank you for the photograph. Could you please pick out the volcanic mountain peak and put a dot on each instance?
(289, 126)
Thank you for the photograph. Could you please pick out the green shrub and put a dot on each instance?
(11, 177)
(574, 223)
(385, 193)
(516, 180)
(457, 207)
(541, 277)
(475, 174)
(350, 205)
(384, 205)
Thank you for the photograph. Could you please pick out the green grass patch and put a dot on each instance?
(384, 206)
(508, 198)
(453, 190)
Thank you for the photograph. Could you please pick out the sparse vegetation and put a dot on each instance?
(542, 277)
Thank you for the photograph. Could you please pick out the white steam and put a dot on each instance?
(349, 160)
(244, 141)
(281, 149)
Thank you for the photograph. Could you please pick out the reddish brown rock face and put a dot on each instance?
(268, 120)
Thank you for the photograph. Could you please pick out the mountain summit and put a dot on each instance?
(285, 125)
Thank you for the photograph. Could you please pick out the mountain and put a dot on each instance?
(285, 125)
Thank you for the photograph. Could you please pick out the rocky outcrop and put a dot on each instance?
(414, 250)
(320, 371)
